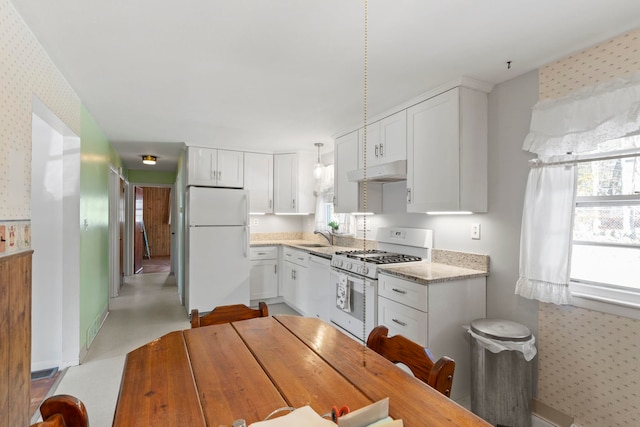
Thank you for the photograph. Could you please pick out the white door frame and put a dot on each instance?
(114, 232)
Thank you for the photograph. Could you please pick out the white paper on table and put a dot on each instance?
(304, 416)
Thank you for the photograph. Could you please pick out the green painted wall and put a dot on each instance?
(95, 155)
(148, 177)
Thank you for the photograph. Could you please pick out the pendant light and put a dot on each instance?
(317, 170)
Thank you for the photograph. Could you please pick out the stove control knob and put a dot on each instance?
(365, 270)
(348, 266)
(338, 263)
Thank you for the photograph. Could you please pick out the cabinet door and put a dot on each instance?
(264, 279)
(393, 137)
(346, 159)
(230, 166)
(433, 141)
(284, 183)
(373, 145)
(287, 281)
(258, 179)
(302, 301)
(202, 166)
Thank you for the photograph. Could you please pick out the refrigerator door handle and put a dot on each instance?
(245, 200)
(246, 246)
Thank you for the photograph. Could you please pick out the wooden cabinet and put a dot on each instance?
(258, 179)
(447, 153)
(349, 196)
(293, 183)
(15, 339)
(386, 140)
(433, 315)
(294, 280)
(264, 273)
(212, 167)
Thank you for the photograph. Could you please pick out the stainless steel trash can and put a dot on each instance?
(500, 381)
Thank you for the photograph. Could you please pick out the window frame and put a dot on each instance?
(604, 297)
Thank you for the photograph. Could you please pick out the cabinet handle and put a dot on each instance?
(381, 151)
(335, 200)
(295, 276)
(301, 259)
(270, 203)
(293, 203)
(399, 322)
(400, 291)
(275, 269)
(262, 253)
(376, 151)
(219, 175)
(408, 195)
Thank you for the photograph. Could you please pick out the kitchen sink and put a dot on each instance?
(313, 245)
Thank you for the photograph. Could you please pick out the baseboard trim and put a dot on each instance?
(550, 415)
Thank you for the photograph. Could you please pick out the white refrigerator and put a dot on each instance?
(217, 248)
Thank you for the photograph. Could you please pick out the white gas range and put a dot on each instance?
(354, 275)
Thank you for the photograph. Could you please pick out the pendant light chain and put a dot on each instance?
(364, 183)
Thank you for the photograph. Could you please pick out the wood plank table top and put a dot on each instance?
(212, 375)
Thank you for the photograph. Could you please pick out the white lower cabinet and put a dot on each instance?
(294, 280)
(433, 315)
(264, 273)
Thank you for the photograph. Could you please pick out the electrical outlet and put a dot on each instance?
(255, 221)
(475, 231)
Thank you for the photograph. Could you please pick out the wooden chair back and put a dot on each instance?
(228, 313)
(399, 349)
(63, 410)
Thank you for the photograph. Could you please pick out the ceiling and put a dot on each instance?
(280, 75)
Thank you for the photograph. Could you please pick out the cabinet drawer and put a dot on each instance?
(403, 320)
(263, 252)
(297, 257)
(402, 291)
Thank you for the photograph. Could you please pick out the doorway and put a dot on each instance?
(152, 229)
(55, 215)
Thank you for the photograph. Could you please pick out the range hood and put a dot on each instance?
(386, 172)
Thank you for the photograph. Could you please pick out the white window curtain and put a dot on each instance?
(596, 120)
(545, 243)
(323, 190)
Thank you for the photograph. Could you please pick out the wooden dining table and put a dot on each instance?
(212, 375)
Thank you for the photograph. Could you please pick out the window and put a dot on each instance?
(605, 259)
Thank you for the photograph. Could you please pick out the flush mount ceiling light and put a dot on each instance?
(149, 160)
(317, 170)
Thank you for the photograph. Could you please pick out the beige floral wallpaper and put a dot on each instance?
(25, 71)
(589, 362)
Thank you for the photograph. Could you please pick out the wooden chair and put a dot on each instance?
(228, 313)
(399, 349)
(63, 410)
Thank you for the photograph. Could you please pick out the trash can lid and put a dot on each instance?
(501, 330)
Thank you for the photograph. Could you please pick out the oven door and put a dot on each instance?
(359, 308)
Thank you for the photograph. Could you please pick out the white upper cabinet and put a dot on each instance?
(293, 183)
(447, 153)
(211, 167)
(349, 196)
(258, 179)
(386, 140)
(345, 192)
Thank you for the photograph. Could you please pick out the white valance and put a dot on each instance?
(584, 121)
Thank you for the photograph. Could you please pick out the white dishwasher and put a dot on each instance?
(322, 294)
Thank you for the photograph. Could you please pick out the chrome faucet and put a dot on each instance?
(327, 236)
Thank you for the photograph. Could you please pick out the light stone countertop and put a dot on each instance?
(423, 272)
(426, 272)
(322, 251)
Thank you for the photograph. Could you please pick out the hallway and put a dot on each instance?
(147, 308)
